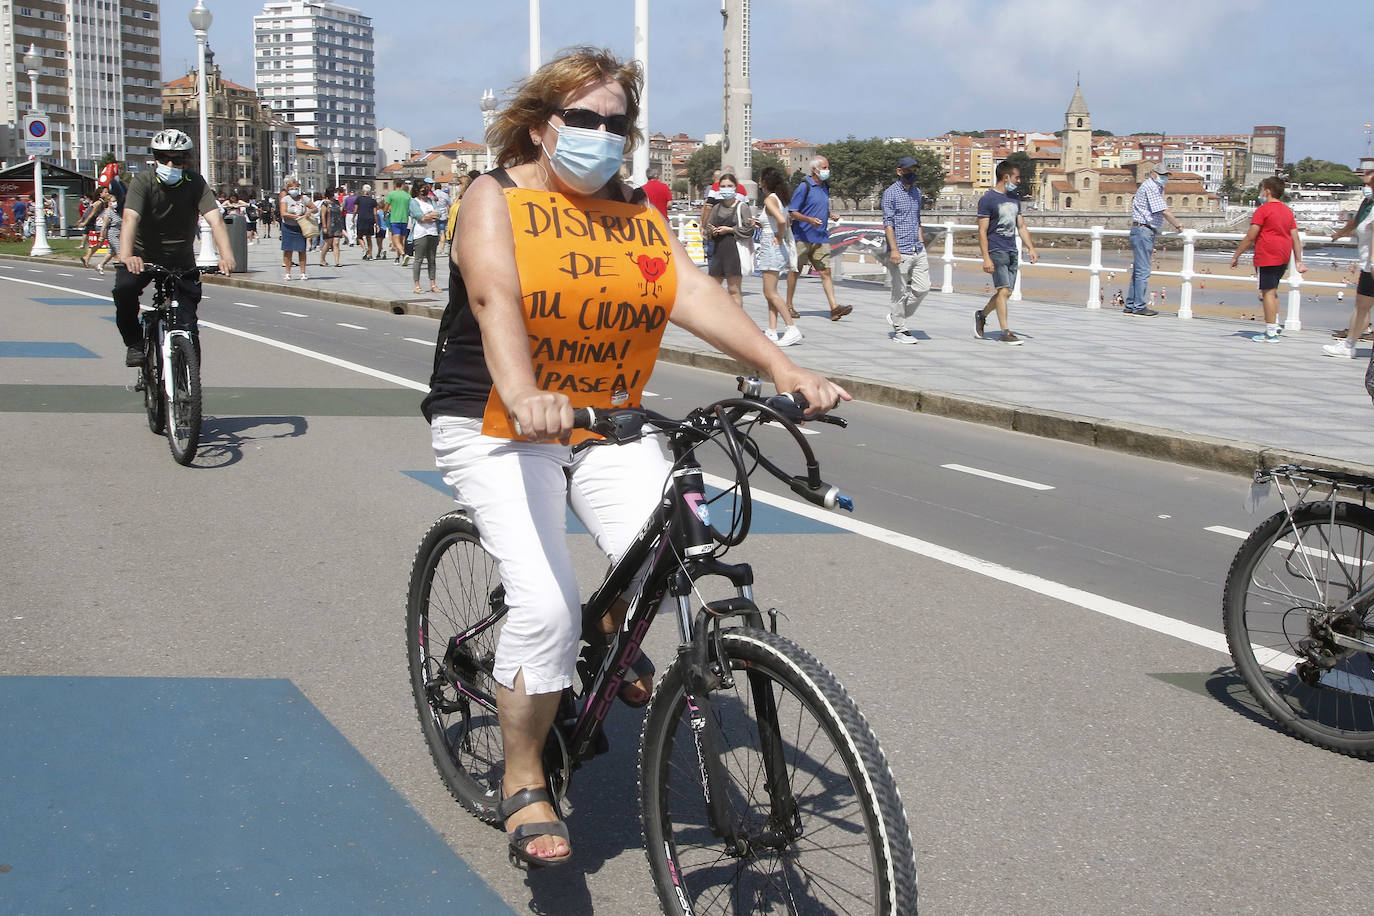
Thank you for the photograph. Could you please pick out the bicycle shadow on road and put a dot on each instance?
(1226, 686)
(603, 823)
(222, 438)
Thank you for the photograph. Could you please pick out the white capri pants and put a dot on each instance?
(518, 493)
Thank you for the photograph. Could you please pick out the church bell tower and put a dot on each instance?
(1078, 134)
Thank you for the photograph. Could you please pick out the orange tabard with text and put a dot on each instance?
(597, 283)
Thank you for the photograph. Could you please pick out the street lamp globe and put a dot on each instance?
(32, 61)
(200, 17)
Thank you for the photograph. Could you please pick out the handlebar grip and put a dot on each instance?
(824, 495)
(583, 417)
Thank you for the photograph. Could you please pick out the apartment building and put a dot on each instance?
(100, 80)
(315, 68)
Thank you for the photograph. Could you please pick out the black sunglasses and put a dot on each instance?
(169, 158)
(587, 119)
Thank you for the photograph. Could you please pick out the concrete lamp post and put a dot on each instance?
(336, 148)
(200, 19)
(488, 113)
(32, 61)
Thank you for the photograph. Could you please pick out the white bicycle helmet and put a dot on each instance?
(171, 140)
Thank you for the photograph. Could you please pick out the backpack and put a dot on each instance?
(252, 210)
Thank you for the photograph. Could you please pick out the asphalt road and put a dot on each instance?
(1058, 750)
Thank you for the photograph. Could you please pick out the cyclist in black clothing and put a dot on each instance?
(161, 215)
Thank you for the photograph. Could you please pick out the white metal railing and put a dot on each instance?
(1186, 273)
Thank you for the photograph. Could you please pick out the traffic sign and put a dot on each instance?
(37, 137)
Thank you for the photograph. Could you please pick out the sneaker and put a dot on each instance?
(790, 337)
(770, 334)
(980, 323)
(1009, 338)
(286, 276)
(903, 336)
(303, 276)
(1148, 313)
(133, 357)
(1339, 350)
(1266, 337)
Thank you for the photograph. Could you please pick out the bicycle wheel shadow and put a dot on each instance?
(222, 439)
(603, 823)
(1227, 687)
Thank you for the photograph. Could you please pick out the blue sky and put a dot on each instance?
(823, 70)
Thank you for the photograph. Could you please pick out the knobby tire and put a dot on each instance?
(183, 410)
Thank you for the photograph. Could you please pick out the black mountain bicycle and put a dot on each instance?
(170, 374)
(1298, 607)
(762, 787)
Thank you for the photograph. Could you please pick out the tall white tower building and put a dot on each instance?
(737, 142)
(101, 78)
(314, 67)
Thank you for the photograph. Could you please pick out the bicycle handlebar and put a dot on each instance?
(626, 424)
(150, 268)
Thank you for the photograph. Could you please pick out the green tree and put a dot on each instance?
(1229, 189)
(930, 175)
(861, 168)
(763, 161)
(965, 133)
(700, 166)
(1026, 187)
(1320, 171)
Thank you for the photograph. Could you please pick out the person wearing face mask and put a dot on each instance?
(1361, 226)
(555, 260)
(731, 225)
(1148, 211)
(999, 222)
(1274, 233)
(907, 266)
(424, 217)
(810, 212)
(161, 218)
(291, 205)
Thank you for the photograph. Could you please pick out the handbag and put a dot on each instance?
(309, 228)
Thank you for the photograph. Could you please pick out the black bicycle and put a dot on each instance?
(1298, 607)
(169, 376)
(762, 787)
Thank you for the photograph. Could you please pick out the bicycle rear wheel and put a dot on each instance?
(184, 406)
(843, 848)
(1282, 585)
(455, 588)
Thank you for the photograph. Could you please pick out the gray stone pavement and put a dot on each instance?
(1199, 391)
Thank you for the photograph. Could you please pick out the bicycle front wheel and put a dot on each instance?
(184, 405)
(151, 380)
(1283, 584)
(818, 820)
(455, 589)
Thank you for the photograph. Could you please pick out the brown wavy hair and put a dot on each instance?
(544, 92)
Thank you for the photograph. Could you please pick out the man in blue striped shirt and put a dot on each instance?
(907, 266)
(1148, 211)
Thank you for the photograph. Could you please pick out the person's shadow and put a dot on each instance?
(222, 438)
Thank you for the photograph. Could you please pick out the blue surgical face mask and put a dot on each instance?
(823, 174)
(585, 160)
(1367, 191)
(1010, 186)
(294, 192)
(168, 174)
(1162, 179)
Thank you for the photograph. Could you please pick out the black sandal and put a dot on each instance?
(520, 856)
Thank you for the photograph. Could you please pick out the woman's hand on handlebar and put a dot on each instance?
(133, 264)
(542, 416)
(821, 394)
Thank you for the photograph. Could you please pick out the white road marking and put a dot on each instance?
(1017, 481)
(61, 274)
(1108, 607)
(6, 267)
(1316, 552)
(427, 343)
(295, 314)
(33, 271)
(248, 305)
(356, 327)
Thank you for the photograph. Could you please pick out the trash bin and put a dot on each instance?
(238, 241)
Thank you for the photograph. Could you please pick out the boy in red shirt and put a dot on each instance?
(1274, 233)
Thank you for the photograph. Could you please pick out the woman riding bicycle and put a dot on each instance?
(561, 281)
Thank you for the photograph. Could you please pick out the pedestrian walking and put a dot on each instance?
(811, 218)
(442, 201)
(366, 222)
(658, 193)
(92, 220)
(907, 266)
(1361, 226)
(424, 234)
(1148, 211)
(291, 205)
(999, 222)
(350, 213)
(331, 226)
(731, 224)
(776, 253)
(1274, 233)
(398, 217)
